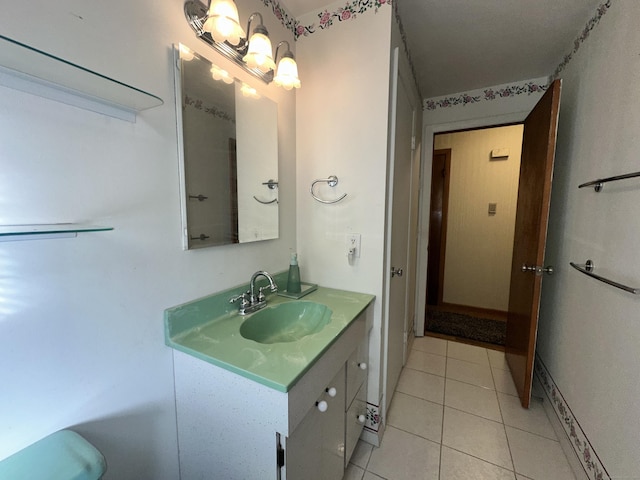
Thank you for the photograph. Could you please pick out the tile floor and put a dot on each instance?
(456, 416)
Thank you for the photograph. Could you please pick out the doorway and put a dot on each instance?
(474, 190)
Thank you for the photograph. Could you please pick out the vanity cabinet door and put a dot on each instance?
(355, 418)
(315, 450)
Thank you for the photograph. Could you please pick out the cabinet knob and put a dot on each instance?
(361, 419)
(362, 365)
(331, 391)
(322, 406)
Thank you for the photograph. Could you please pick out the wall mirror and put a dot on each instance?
(228, 142)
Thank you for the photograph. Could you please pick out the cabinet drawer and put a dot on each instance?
(355, 420)
(357, 367)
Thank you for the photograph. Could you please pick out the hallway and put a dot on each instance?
(470, 424)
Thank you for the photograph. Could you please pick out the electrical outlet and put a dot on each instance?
(354, 241)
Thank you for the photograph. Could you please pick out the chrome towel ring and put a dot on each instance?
(272, 185)
(263, 202)
(332, 181)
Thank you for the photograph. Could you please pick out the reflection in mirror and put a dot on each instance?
(229, 151)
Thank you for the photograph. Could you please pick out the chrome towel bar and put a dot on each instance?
(587, 269)
(598, 184)
(332, 181)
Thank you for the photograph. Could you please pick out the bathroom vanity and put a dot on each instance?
(283, 410)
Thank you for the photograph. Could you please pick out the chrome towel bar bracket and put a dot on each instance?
(587, 269)
(332, 181)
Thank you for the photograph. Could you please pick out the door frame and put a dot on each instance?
(444, 214)
(425, 194)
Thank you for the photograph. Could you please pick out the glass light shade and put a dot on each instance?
(219, 74)
(287, 74)
(223, 22)
(260, 53)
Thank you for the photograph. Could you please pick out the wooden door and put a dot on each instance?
(438, 224)
(398, 210)
(532, 214)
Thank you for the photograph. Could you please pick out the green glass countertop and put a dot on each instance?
(209, 329)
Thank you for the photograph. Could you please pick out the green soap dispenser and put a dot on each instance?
(293, 282)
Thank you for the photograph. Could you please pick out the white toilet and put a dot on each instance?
(63, 455)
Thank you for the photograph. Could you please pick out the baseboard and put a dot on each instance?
(579, 452)
(371, 437)
(373, 430)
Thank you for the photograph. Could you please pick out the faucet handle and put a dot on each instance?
(243, 298)
(261, 296)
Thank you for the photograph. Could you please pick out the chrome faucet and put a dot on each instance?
(251, 301)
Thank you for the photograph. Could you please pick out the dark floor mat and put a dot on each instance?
(467, 326)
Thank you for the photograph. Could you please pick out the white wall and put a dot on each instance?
(342, 109)
(479, 246)
(589, 332)
(81, 332)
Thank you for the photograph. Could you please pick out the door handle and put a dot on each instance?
(395, 272)
(537, 270)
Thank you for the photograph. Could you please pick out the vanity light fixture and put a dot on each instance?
(219, 26)
(223, 22)
(260, 53)
(287, 73)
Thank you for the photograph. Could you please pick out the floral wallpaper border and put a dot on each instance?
(492, 93)
(519, 89)
(373, 419)
(584, 450)
(577, 43)
(212, 110)
(281, 14)
(350, 11)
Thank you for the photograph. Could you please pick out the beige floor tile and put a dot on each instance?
(403, 456)
(371, 476)
(422, 385)
(427, 362)
(533, 420)
(417, 416)
(472, 399)
(476, 436)
(497, 359)
(353, 473)
(468, 372)
(537, 457)
(361, 454)
(460, 466)
(433, 345)
(468, 353)
(504, 382)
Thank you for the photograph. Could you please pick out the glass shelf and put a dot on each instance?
(41, 231)
(33, 71)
